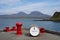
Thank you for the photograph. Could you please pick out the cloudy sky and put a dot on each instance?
(15, 6)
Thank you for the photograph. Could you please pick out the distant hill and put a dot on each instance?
(20, 14)
(56, 16)
(23, 14)
(38, 14)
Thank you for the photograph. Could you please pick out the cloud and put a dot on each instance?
(9, 2)
(44, 7)
(28, 7)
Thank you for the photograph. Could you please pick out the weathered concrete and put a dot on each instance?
(26, 36)
(52, 32)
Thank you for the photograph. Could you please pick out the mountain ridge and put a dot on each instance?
(23, 14)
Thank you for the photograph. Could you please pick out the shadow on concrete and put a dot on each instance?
(28, 35)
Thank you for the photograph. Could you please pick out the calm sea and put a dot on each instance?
(27, 22)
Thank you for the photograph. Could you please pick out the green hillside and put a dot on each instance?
(56, 16)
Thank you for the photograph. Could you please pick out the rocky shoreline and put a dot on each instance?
(48, 20)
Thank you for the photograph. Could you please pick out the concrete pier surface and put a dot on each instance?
(12, 36)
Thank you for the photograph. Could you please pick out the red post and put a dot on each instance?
(13, 28)
(7, 29)
(19, 28)
(42, 30)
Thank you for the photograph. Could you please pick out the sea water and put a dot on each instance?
(49, 25)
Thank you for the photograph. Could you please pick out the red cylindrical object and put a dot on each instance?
(19, 33)
(13, 28)
(7, 29)
(19, 28)
(42, 30)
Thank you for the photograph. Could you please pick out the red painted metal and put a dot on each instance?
(14, 28)
(7, 29)
(19, 28)
(42, 30)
